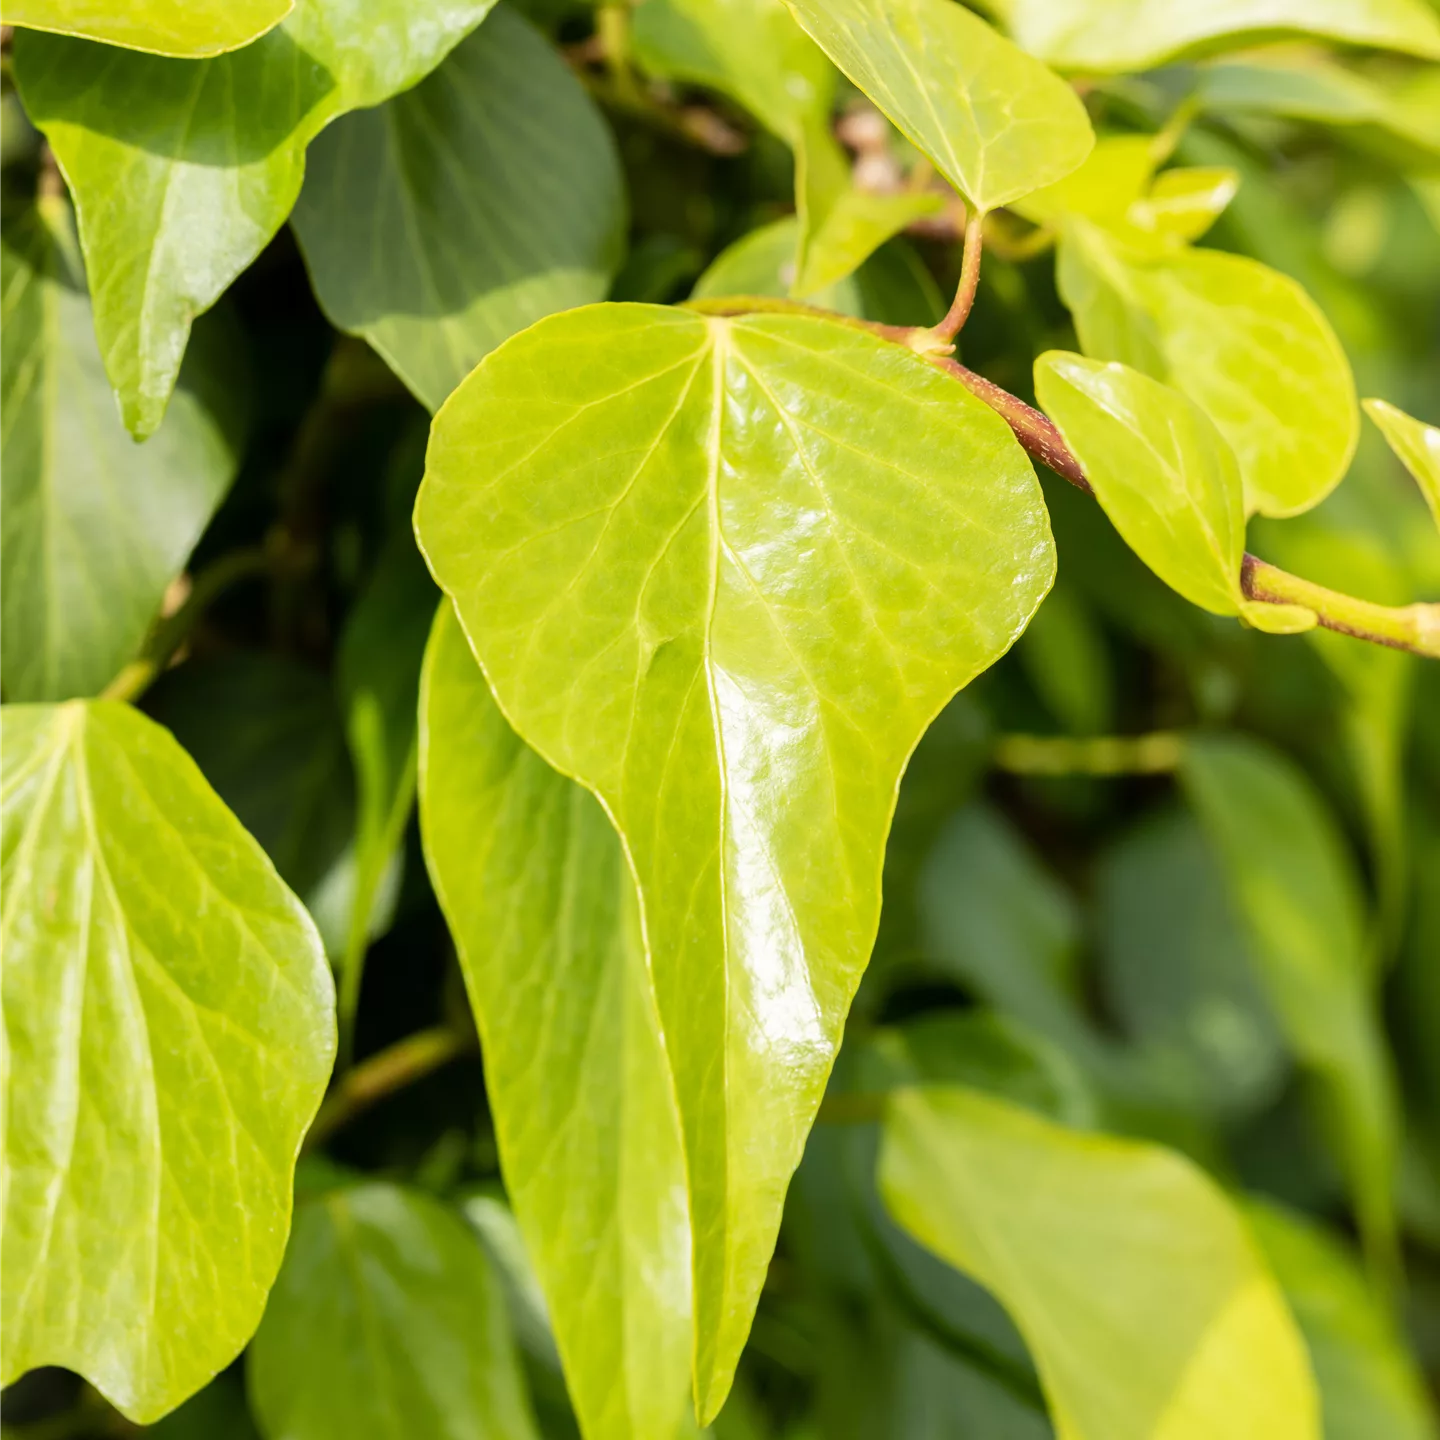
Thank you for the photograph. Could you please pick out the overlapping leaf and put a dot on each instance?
(93, 528)
(1119, 35)
(183, 170)
(188, 28)
(387, 1321)
(168, 1034)
(444, 221)
(725, 572)
(1241, 340)
(1145, 1304)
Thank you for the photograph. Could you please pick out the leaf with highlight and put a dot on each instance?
(186, 28)
(1416, 443)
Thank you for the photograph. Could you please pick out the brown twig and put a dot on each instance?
(964, 301)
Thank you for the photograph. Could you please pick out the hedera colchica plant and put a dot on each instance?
(534, 609)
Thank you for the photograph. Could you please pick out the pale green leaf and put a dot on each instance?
(856, 225)
(168, 1034)
(180, 177)
(1416, 443)
(1369, 1383)
(387, 1322)
(997, 124)
(443, 222)
(1145, 1304)
(717, 563)
(94, 527)
(1115, 175)
(1120, 35)
(1184, 203)
(1160, 469)
(1299, 897)
(188, 28)
(1244, 342)
(533, 881)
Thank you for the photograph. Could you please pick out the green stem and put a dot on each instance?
(382, 1074)
(1154, 754)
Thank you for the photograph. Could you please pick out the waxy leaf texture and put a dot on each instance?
(169, 1030)
(725, 573)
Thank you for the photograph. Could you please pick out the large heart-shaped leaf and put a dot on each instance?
(387, 1321)
(1119, 35)
(543, 909)
(180, 179)
(189, 28)
(169, 1031)
(725, 572)
(996, 123)
(1416, 443)
(1148, 1310)
(93, 527)
(441, 223)
(1245, 342)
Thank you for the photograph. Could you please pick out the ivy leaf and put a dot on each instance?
(1165, 1324)
(169, 1030)
(1298, 894)
(1165, 477)
(996, 123)
(707, 564)
(423, 223)
(1113, 36)
(1416, 443)
(1369, 1383)
(94, 529)
(190, 28)
(386, 1321)
(178, 187)
(1245, 342)
(533, 881)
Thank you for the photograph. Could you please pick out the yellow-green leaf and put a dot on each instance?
(1245, 342)
(1145, 1304)
(1120, 35)
(444, 221)
(856, 225)
(186, 28)
(725, 572)
(1416, 443)
(1114, 176)
(169, 1030)
(534, 883)
(387, 1322)
(997, 124)
(179, 183)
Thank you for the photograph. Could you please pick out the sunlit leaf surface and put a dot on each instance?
(188, 28)
(1416, 443)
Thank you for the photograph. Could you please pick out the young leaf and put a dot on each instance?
(456, 214)
(169, 1032)
(725, 572)
(93, 528)
(178, 186)
(535, 886)
(854, 226)
(1298, 894)
(1144, 1302)
(1114, 176)
(1369, 1383)
(996, 123)
(1184, 203)
(1113, 36)
(188, 28)
(1416, 443)
(387, 1321)
(1246, 343)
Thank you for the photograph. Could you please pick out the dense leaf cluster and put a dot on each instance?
(507, 557)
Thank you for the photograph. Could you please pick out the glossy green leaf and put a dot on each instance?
(93, 528)
(443, 222)
(1120, 35)
(1145, 1304)
(1369, 1383)
(1416, 443)
(707, 582)
(387, 1321)
(168, 1035)
(188, 28)
(1242, 341)
(1298, 894)
(997, 124)
(179, 183)
(533, 881)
